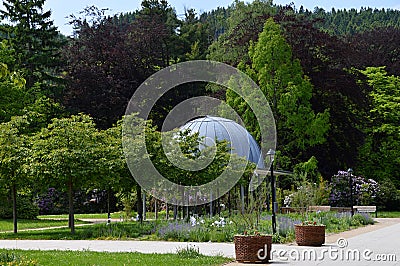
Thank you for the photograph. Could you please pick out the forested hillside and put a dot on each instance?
(345, 22)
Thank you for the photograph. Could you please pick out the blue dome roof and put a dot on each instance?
(217, 128)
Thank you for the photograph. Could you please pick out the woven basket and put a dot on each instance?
(247, 247)
(310, 235)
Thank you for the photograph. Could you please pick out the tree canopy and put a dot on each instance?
(331, 78)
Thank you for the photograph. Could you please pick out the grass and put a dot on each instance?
(114, 215)
(121, 231)
(388, 214)
(7, 224)
(67, 258)
(50, 234)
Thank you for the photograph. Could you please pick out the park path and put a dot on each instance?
(363, 246)
(382, 238)
(89, 222)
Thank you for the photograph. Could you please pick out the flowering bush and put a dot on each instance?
(307, 194)
(364, 191)
(176, 230)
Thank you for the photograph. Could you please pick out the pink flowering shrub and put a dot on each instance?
(364, 190)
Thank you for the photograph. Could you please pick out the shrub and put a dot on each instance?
(364, 191)
(388, 197)
(93, 201)
(308, 193)
(176, 231)
(26, 208)
(216, 229)
(361, 219)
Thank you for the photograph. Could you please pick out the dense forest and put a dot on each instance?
(332, 77)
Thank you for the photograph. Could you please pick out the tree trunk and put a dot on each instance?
(14, 199)
(175, 212)
(229, 203)
(71, 220)
(155, 209)
(144, 205)
(108, 205)
(139, 202)
(242, 200)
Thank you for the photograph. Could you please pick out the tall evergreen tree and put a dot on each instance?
(244, 24)
(158, 13)
(33, 37)
(282, 80)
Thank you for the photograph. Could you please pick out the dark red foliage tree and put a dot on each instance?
(107, 61)
(377, 47)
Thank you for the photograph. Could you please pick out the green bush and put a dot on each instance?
(26, 208)
(361, 219)
(389, 196)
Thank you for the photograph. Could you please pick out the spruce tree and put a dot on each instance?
(34, 38)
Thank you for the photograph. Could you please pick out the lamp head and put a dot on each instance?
(271, 154)
(350, 171)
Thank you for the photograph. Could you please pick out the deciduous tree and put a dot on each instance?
(380, 155)
(65, 155)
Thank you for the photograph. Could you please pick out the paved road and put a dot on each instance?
(362, 249)
(369, 246)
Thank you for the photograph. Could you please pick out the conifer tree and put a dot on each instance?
(287, 89)
(33, 37)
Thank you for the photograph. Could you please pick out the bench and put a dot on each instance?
(319, 208)
(341, 209)
(367, 209)
(293, 210)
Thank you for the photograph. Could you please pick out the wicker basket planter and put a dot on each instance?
(247, 248)
(309, 235)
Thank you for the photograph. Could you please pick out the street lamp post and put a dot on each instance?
(271, 154)
(350, 171)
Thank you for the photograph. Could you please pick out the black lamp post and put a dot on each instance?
(350, 171)
(271, 154)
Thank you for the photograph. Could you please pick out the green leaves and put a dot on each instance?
(381, 152)
(288, 91)
(66, 148)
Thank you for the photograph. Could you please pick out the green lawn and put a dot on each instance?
(51, 234)
(126, 230)
(387, 214)
(115, 215)
(68, 258)
(7, 224)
